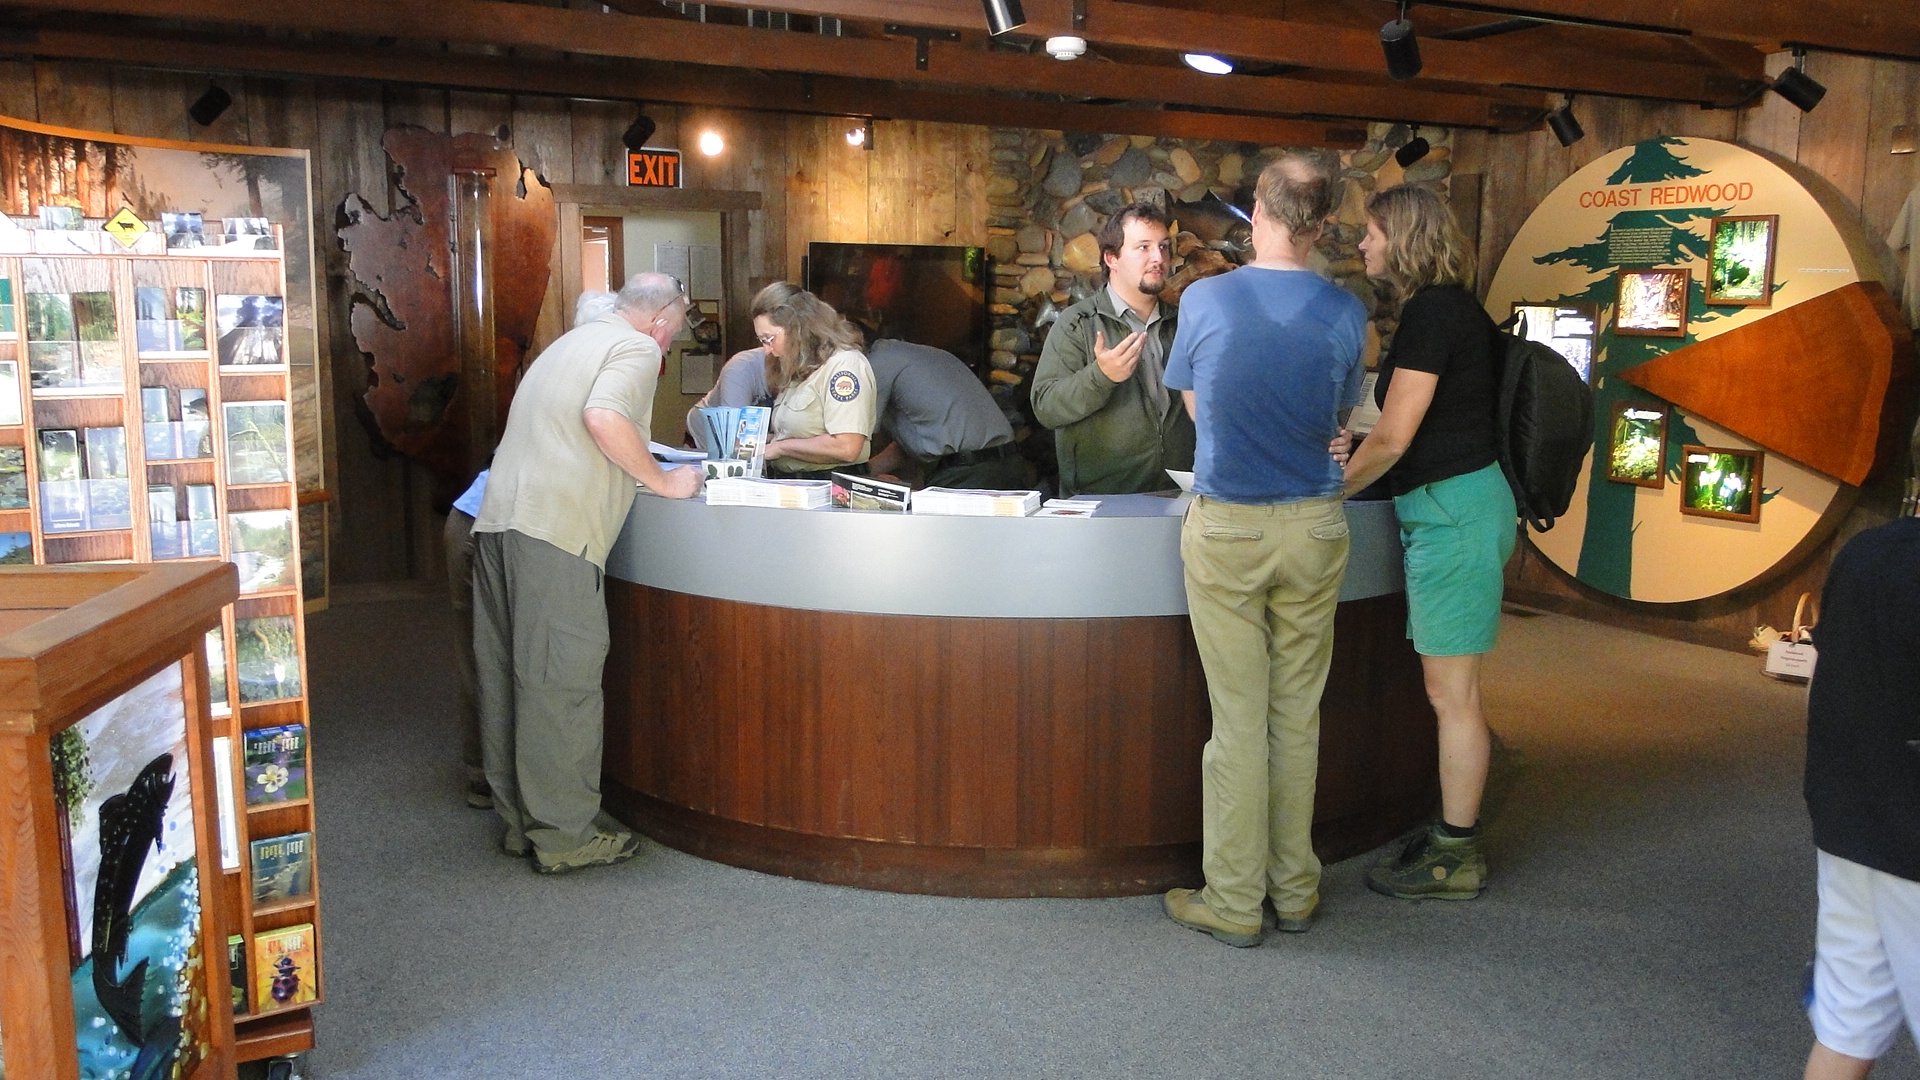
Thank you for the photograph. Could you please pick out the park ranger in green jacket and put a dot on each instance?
(1099, 383)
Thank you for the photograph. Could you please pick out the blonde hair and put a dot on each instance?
(1296, 193)
(814, 332)
(1424, 243)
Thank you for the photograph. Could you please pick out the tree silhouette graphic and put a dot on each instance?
(1651, 162)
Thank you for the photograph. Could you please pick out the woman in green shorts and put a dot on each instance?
(1434, 443)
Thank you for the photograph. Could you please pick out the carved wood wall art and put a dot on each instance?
(448, 289)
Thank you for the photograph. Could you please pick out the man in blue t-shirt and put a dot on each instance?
(1268, 360)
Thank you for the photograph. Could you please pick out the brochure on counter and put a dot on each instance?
(783, 494)
(965, 502)
(867, 493)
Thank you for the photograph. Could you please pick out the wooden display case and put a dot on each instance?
(108, 828)
(190, 436)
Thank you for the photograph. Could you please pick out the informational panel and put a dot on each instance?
(140, 960)
(1632, 238)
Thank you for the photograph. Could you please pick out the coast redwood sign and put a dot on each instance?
(653, 168)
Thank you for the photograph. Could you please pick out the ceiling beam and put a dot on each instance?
(1872, 27)
(1317, 45)
(492, 22)
(675, 84)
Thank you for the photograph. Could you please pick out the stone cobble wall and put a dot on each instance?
(1048, 193)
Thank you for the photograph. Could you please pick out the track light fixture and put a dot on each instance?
(208, 107)
(1401, 47)
(1797, 86)
(1415, 149)
(1566, 127)
(862, 135)
(1003, 16)
(638, 132)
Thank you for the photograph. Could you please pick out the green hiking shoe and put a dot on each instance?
(1185, 907)
(606, 848)
(1433, 866)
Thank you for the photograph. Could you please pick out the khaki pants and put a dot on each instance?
(540, 645)
(1262, 585)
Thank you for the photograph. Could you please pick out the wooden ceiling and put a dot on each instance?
(1307, 71)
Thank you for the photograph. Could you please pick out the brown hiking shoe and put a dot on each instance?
(1185, 907)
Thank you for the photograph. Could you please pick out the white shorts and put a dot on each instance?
(1866, 972)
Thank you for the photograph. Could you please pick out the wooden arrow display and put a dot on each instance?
(1810, 382)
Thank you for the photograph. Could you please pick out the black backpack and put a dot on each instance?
(1544, 423)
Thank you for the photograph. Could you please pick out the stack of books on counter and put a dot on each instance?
(785, 494)
(963, 502)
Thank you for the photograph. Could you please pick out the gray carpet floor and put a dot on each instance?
(1650, 915)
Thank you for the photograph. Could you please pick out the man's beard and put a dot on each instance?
(1152, 288)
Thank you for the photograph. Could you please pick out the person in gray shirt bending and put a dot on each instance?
(945, 429)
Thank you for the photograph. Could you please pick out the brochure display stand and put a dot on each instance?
(144, 417)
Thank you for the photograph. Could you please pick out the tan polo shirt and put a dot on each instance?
(550, 481)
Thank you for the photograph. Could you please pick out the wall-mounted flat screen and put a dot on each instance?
(926, 294)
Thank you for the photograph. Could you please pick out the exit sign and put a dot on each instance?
(653, 168)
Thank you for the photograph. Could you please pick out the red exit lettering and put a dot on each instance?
(653, 168)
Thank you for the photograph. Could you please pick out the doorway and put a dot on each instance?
(686, 244)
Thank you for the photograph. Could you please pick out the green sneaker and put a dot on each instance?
(1185, 907)
(1433, 866)
(605, 849)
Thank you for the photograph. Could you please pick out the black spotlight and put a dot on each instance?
(210, 105)
(1415, 149)
(1797, 86)
(1401, 47)
(1566, 127)
(1003, 16)
(637, 133)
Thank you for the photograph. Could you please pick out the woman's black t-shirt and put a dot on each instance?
(1444, 331)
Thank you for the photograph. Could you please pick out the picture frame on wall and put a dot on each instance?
(1567, 328)
(1637, 445)
(1721, 482)
(1740, 260)
(1652, 302)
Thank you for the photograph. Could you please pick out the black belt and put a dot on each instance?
(974, 457)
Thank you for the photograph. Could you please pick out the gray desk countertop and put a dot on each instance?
(1123, 561)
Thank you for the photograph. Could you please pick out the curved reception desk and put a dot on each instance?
(965, 706)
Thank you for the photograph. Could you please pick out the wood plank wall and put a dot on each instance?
(1845, 144)
(923, 183)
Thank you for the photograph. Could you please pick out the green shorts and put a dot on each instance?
(1459, 533)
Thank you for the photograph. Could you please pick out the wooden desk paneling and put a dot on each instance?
(993, 757)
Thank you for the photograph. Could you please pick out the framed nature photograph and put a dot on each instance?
(1652, 303)
(1567, 329)
(1636, 451)
(1740, 260)
(1720, 482)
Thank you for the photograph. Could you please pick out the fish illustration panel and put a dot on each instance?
(135, 927)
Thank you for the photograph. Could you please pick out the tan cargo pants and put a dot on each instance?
(1262, 585)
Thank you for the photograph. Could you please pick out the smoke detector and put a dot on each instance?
(1066, 47)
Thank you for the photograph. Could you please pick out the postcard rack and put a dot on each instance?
(144, 417)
